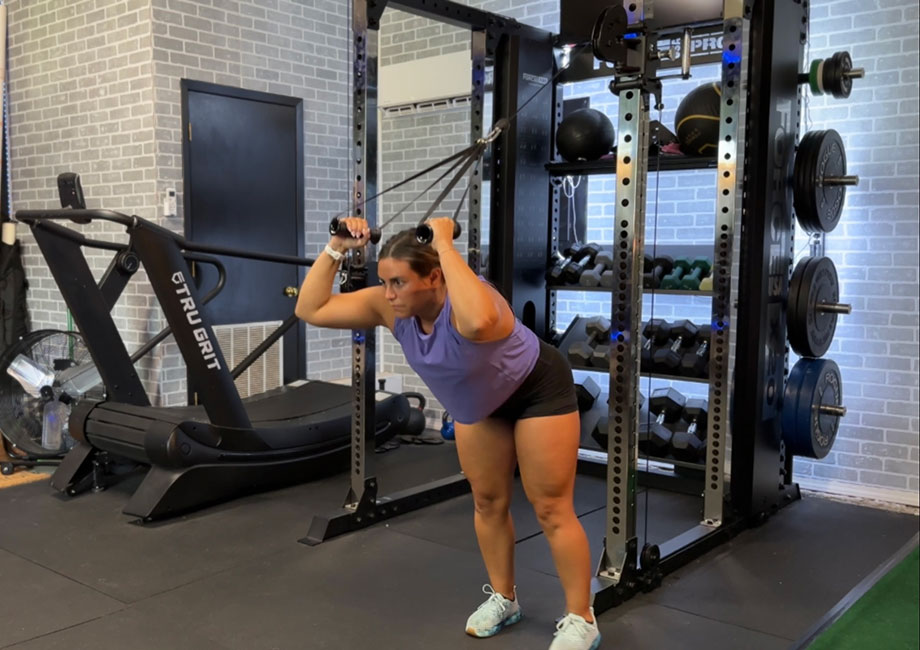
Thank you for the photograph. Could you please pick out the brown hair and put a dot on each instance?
(422, 258)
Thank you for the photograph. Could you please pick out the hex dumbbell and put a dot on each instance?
(591, 277)
(699, 268)
(693, 363)
(689, 445)
(656, 333)
(573, 271)
(668, 358)
(672, 280)
(666, 404)
(661, 267)
(555, 273)
(599, 432)
(580, 352)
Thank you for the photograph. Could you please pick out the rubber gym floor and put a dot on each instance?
(77, 573)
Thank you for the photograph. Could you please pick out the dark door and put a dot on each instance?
(243, 172)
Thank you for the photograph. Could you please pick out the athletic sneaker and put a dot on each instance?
(575, 633)
(494, 614)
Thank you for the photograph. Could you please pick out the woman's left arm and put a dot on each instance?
(480, 312)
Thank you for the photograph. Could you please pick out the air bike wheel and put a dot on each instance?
(41, 376)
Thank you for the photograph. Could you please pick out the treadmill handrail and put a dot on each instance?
(29, 216)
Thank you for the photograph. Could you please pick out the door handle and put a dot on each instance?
(291, 292)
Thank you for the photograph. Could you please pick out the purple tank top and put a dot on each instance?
(469, 378)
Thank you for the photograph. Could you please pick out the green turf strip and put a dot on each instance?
(887, 616)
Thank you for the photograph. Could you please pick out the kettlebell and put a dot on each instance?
(416, 423)
(447, 426)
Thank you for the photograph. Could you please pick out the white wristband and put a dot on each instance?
(334, 254)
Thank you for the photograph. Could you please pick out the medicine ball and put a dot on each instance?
(697, 120)
(585, 134)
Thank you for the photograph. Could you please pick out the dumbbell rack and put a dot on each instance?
(754, 97)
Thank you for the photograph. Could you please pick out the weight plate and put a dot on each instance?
(832, 162)
(808, 431)
(791, 405)
(844, 85)
(820, 286)
(801, 186)
(818, 205)
(830, 76)
(794, 310)
(814, 282)
(814, 77)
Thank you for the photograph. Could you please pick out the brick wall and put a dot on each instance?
(282, 47)
(81, 100)
(95, 90)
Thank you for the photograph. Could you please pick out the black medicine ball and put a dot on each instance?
(585, 134)
(697, 120)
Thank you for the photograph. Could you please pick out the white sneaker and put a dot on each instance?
(575, 633)
(494, 614)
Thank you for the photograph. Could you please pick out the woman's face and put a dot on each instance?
(408, 293)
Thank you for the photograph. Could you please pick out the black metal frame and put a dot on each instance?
(756, 42)
(493, 37)
(761, 480)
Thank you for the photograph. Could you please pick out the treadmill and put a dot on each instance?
(223, 446)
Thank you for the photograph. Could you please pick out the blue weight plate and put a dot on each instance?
(807, 431)
(790, 421)
(828, 389)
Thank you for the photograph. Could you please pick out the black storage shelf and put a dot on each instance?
(663, 163)
(576, 332)
(660, 292)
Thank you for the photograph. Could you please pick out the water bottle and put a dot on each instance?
(30, 375)
(54, 421)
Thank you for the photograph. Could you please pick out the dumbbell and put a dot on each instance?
(580, 352)
(592, 277)
(699, 269)
(656, 333)
(599, 432)
(573, 271)
(672, 279)
(689, 445)
(666, 405)
(668, 358)
(586, 392)
(572, 253)
(694, 363)
(661, 266)
(706, 283)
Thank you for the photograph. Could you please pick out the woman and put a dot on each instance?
(511, 396)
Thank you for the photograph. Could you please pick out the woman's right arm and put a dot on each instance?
(361, 309)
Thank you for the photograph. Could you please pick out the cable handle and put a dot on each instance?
(339, 229)
(424, 234)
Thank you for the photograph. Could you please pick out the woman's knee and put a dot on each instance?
(491, 502)
(553, 512)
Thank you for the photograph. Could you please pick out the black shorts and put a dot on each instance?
(549, 389)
